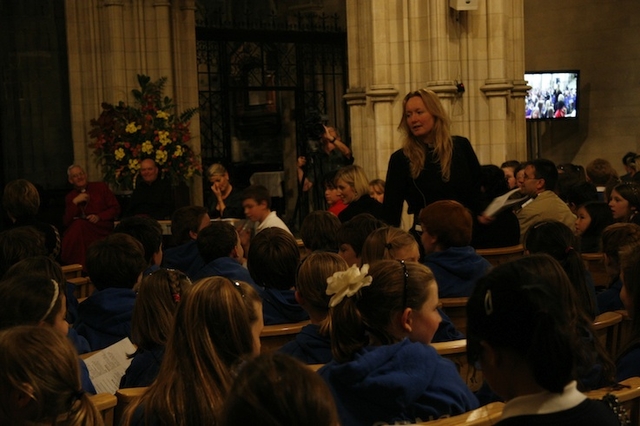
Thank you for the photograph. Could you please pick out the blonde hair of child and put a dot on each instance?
(383, 242)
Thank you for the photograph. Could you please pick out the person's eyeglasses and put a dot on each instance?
(406, 283)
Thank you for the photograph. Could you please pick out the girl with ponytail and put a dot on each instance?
(384, 371)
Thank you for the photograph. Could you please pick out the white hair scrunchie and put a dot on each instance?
(347, 283)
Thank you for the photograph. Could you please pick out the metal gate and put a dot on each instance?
(259, 82)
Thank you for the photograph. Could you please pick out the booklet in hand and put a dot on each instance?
(504, 202)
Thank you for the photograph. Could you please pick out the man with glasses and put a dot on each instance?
(540, 178)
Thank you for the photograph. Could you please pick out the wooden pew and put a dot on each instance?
(275, 336)
(84, 287)
(594, 262)
(125, 397)
(627, 392)
(484, 416)
(456, 351)
(499, 255)
(456, 310)
(106, 404)
(72, 271)
(607, 327)
(624, 330)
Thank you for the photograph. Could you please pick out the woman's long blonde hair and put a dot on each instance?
(439, 137)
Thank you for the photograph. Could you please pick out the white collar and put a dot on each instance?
(544, 402)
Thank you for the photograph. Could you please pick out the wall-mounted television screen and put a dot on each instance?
(553, 95)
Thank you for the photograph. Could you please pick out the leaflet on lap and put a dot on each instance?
(503, 202)
(107, 367)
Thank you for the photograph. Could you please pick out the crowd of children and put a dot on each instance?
(367, 295)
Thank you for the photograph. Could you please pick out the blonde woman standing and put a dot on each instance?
(432, 165)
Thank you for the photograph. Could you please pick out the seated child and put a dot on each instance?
(331, 195)
(36, 299)
(446, 235)
(158, 297)
(628, 362)
(525, 341)
(220, 248)
(217, 328)
(186, 223)
(592, 218)
(256, 202)
(148, 231)
(115, 265)
(46, 266)
(39, 379)
(351, 236)
(557, 240)
(313, 344)
(613, 238)
(274, 390)
(382, 322)
(273, 261)
(376, 190)
(319, 231)
(390, 242)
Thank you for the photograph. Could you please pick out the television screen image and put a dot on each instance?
(553, 95)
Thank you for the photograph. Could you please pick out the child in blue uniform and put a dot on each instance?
(384, 370)
(158, 297)
(313, 344)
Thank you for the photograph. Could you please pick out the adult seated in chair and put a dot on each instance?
(540, 178)
(225, 200)
(89, 211)
(153, 196)
(186, 223)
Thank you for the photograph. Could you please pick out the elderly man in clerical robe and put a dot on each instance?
(90, 209)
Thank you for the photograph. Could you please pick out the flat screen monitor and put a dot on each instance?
(553, 95)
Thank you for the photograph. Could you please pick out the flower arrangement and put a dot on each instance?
(125, 135)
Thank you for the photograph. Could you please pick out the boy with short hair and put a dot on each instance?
(115, 264)
(220, 248)
(148, 232)
(351, 236)
(256, 202)
(186, 224)
(273, 262)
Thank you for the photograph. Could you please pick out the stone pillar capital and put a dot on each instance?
(382, 93)
(497, 87)
(355, 96)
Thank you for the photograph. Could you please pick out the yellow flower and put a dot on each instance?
(132, 128)
(119, 154)
(134, 165)
(178, 152)
(147, 147)
(163, 137)
(161, 156)
(163, 115)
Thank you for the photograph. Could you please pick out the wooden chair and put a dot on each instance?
(315, 367)
(72, 271)
(594, 262)
(624, 330)
(84, 287)
(274, 336)
(484, 416)
(125, 397)
(456, 310)
(499, 255)
(627, 392)
(106, 404)
(456, 351)
(607, 327)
